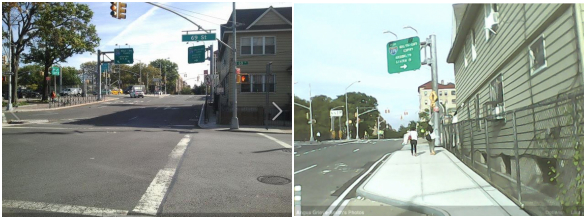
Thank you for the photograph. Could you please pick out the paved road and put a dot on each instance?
(326, 172)
(140, 157)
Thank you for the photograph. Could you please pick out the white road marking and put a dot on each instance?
(299, 171)
(276, 140)
(153, 197)
(14, 115)
(356, 150)
(341, 208)
(133, 118)
(339, 199)
(67, 209)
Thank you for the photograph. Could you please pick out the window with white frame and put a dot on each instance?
(491, 20)
(496, 96)
(257, 84)
(537, 55)
(473, 45)
(258, 45)
(453, 92)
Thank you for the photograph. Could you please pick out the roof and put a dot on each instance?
(246, 17)
(439, 86)
(463, 25)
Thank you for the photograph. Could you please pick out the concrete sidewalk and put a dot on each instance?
(435, 185)
(211, 124)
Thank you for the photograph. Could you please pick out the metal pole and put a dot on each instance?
(340, 126)
(357, 125)
(518, 168)
(347, 127)
(100, 77)
(310, 116)
(471, 144)
(487, 148)
(434, 79)
(234, 124)
(378, 127)
(60, 79)
(267, 75)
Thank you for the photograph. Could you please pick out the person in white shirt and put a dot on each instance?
(413, 134)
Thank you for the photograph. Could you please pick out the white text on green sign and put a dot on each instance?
(403, 55)
(124, 56)
(198, 37)
(55, 70)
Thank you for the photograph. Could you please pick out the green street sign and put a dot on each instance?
(198, 37)
(196, 54)
(104, 67)
(124, 56)
(403, 55)
(55, 70)
(242, 63)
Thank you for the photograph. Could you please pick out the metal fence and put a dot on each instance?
(534, 155)
(62, 101)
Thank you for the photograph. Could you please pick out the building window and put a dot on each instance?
(425, 93)
(257, 84)
(465, 56)
(453, 92)
(473, 45)
(257, 46)
(445, 93)
(491, 20)
(496, 96)
(537, 60)
(453, 100)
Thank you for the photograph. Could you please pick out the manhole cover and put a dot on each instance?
(273, 180)
(287, 150)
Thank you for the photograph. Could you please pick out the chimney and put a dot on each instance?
(442, 82)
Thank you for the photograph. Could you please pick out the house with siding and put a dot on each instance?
(262, 36)
(508, 58)
(446, 96)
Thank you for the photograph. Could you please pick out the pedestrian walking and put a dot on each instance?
(413, 140)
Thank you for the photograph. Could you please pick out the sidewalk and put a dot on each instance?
(45, 106)
(211, 124)
(435, 185)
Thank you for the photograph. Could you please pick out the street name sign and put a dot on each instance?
(198, 37)
(196, 54)
(55, 70)
(403, 55)
(124, 56)
(242, 63)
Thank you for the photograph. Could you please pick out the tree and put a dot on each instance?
(71, 76)
(169, 72)
(24, 15)
(186, 90)
(63, 29)
(31, 76)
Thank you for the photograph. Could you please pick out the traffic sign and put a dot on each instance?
(242, 63)
(196, 54)
(335, 113)
(198, 37)
(55, 70)
(124, 56)
(104, 67)
(403, 55)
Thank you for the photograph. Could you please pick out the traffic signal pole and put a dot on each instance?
(434, 79)
(234, 124)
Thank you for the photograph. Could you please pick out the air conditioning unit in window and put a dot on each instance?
(492, 22)
(493, 110)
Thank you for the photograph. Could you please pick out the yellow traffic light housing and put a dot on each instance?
(114, 9)
(244, 78)
(121, 10)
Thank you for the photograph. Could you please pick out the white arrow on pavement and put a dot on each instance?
(404, 66)
(280, 111)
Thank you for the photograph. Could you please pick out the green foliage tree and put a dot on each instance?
(186, 90)
(25, 16)
(31, 76)
(63, 29)
(199, 89)
(169, 72)
(71, 77)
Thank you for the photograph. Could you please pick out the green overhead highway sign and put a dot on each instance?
(242, 63)
(55, 70)
(124, 56)
(196, 54)
(198, 37)
(403, 55)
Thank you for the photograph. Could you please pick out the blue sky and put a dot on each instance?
(337, 44)
(155, 33)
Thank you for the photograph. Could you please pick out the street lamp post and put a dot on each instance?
(347, 126)
(310, 114)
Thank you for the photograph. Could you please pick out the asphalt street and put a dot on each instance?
(326, 172)
(140, 156)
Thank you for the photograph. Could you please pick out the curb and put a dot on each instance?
(37, 121)
(65, 107)
(397, 203)
(4, 118)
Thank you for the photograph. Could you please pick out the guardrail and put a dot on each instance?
(534, 155)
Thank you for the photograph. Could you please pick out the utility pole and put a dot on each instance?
(60, 79)
(434, 78)
(9, 107)
(267, 75)
(234, 124)
(357, 123)
(100, 76)
(378, 127)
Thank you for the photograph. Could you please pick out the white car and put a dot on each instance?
(136, 94)
(71, 91)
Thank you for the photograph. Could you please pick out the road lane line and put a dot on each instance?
(14, 115)
(61, 208)
(299, 171)
(151, 200)
(341, 208)
(133, 118)
(276, 140)
(339, 199)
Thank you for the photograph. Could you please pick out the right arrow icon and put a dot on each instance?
(404, 66)
(280, 111)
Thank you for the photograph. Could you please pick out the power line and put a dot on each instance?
(194, 16)
(195, 12)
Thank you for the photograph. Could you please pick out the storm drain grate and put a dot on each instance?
(273, 180)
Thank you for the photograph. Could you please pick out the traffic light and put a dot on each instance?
(238, 75)
(114, 9)
(244, 78)
(121, 10)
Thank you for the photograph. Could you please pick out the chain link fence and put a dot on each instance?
(534, 155)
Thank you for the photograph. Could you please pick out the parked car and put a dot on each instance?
(25, 93)
(71, 91)
(116, 91)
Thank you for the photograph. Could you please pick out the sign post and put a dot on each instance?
(403, 55)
